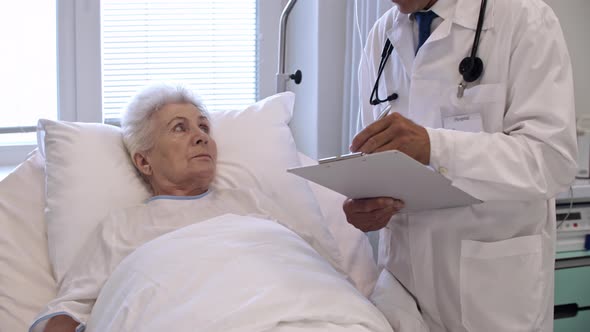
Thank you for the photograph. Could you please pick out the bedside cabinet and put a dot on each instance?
(572, 292)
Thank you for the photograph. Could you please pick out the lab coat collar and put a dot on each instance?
(445, 9)
(467, 14)
(401, 32)
(402, 38)
(461, 12)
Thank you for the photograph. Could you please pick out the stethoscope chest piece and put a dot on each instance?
(471, 69)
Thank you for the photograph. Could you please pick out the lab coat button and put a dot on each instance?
(443, 170)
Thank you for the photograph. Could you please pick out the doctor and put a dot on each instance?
(483, 93)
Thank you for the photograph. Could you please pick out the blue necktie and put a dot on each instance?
(424, 20)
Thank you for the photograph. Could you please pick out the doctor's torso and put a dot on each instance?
(428, 81)
(486, 267)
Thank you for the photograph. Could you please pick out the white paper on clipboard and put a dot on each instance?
(388, 174)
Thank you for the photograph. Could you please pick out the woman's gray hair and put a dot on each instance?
(135, 123)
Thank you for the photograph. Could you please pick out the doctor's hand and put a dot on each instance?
(394, 132)
(371, 214)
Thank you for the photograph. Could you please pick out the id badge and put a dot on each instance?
(466, 122)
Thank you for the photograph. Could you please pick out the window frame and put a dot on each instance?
(79, 63)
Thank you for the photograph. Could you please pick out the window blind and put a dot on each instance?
(209, 45)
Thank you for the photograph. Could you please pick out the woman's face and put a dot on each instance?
(183, 158)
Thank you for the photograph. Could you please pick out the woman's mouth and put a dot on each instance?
(202, 156)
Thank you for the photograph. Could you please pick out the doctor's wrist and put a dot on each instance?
(423, 155)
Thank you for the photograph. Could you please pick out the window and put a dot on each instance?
(28, 68)
(81, 60)
(209, 45)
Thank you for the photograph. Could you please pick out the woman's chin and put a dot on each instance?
(203, 174)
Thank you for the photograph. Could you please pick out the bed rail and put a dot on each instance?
(282, 76)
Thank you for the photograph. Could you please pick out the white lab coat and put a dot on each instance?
(486, 267)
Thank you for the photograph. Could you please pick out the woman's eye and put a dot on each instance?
(178, 128)
(204, 128)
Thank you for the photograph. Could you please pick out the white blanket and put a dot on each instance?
(231, 273)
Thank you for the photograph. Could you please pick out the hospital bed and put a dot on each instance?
(79, 172)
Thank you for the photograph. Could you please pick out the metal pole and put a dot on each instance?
(282, 77)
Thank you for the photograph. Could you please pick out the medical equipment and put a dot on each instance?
(374, 100)
(573, 218)
(470, 67)
(574, 233)
(572, 261)
(583, 135)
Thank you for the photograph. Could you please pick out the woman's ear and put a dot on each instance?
(142, 164)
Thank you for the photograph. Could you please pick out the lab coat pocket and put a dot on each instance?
(501, 284)
(485, 101)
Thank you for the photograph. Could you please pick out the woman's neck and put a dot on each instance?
(179, 191)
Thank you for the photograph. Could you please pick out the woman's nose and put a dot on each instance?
(201, 139)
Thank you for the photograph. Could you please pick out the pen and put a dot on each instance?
(355, 154)
(384, 113)
(381, 116)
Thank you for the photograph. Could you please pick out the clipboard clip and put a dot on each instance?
(340, 157)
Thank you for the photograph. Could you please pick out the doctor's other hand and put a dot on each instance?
(371, 214)
(394, 132)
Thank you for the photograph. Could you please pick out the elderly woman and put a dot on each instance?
(168, 135)
(166, 130)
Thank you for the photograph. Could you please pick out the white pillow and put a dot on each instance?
(255, 148)
(89, 174)
(26, 281)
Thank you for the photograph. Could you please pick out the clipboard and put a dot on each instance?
(387, 174)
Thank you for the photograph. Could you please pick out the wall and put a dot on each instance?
(573, 16)
(315, 45)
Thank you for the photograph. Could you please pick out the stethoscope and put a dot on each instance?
(470, 68)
